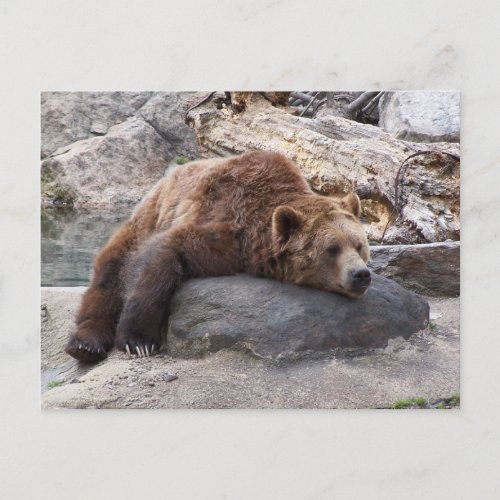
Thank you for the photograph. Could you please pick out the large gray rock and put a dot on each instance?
(67, 117)
(421, 116)
(274, 320)
(433, 268)
(118, 168)
(165, 111)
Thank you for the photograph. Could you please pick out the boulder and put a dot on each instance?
(67, 117)
(275, 320)
(432, 269)
(110, 170)
(165, 111)
(421, 116)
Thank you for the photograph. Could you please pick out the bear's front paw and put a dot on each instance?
(87, 351)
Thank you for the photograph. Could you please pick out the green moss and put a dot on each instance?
(401, 404)
(46, 180)
(445, 403)
(47, 176)
(63, 195)
(409, 403)
(54, 190)
(441, 404)
(181, 160)
(55, 383)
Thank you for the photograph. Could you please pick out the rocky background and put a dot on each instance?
(108, 149)
(398, 150)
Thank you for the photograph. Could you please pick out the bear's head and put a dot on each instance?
(321, 243)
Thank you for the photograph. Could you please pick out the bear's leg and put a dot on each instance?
(160, 266)
(101, 304)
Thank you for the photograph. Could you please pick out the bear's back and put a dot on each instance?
(223, 190)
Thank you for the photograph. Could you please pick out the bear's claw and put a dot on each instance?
(142, 351)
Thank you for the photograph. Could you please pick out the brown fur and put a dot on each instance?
(253, 213)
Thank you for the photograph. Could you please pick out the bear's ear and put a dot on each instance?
(352, 204)
(286, 220)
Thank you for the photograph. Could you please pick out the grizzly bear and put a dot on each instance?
(253, 213)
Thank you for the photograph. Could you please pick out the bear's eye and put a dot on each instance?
(333, 250)
(359, 246)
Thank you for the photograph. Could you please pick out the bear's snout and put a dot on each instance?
(361, 278)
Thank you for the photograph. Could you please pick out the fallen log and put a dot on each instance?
(337, 155)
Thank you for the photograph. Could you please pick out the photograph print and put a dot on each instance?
(228, 249)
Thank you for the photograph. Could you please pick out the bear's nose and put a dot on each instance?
(361, 276)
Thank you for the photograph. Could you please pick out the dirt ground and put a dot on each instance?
(422, 372)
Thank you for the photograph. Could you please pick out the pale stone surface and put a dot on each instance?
(165, 111)
(117, 168)
(90, 140)
(421, 116)
(67, 117)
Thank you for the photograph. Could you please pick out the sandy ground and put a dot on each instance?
(426, 366)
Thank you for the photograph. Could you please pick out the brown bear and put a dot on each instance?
(253, 213)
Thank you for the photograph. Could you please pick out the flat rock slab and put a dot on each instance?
(276, 320)
(431, 268)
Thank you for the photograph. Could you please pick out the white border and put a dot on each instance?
(233, 44)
